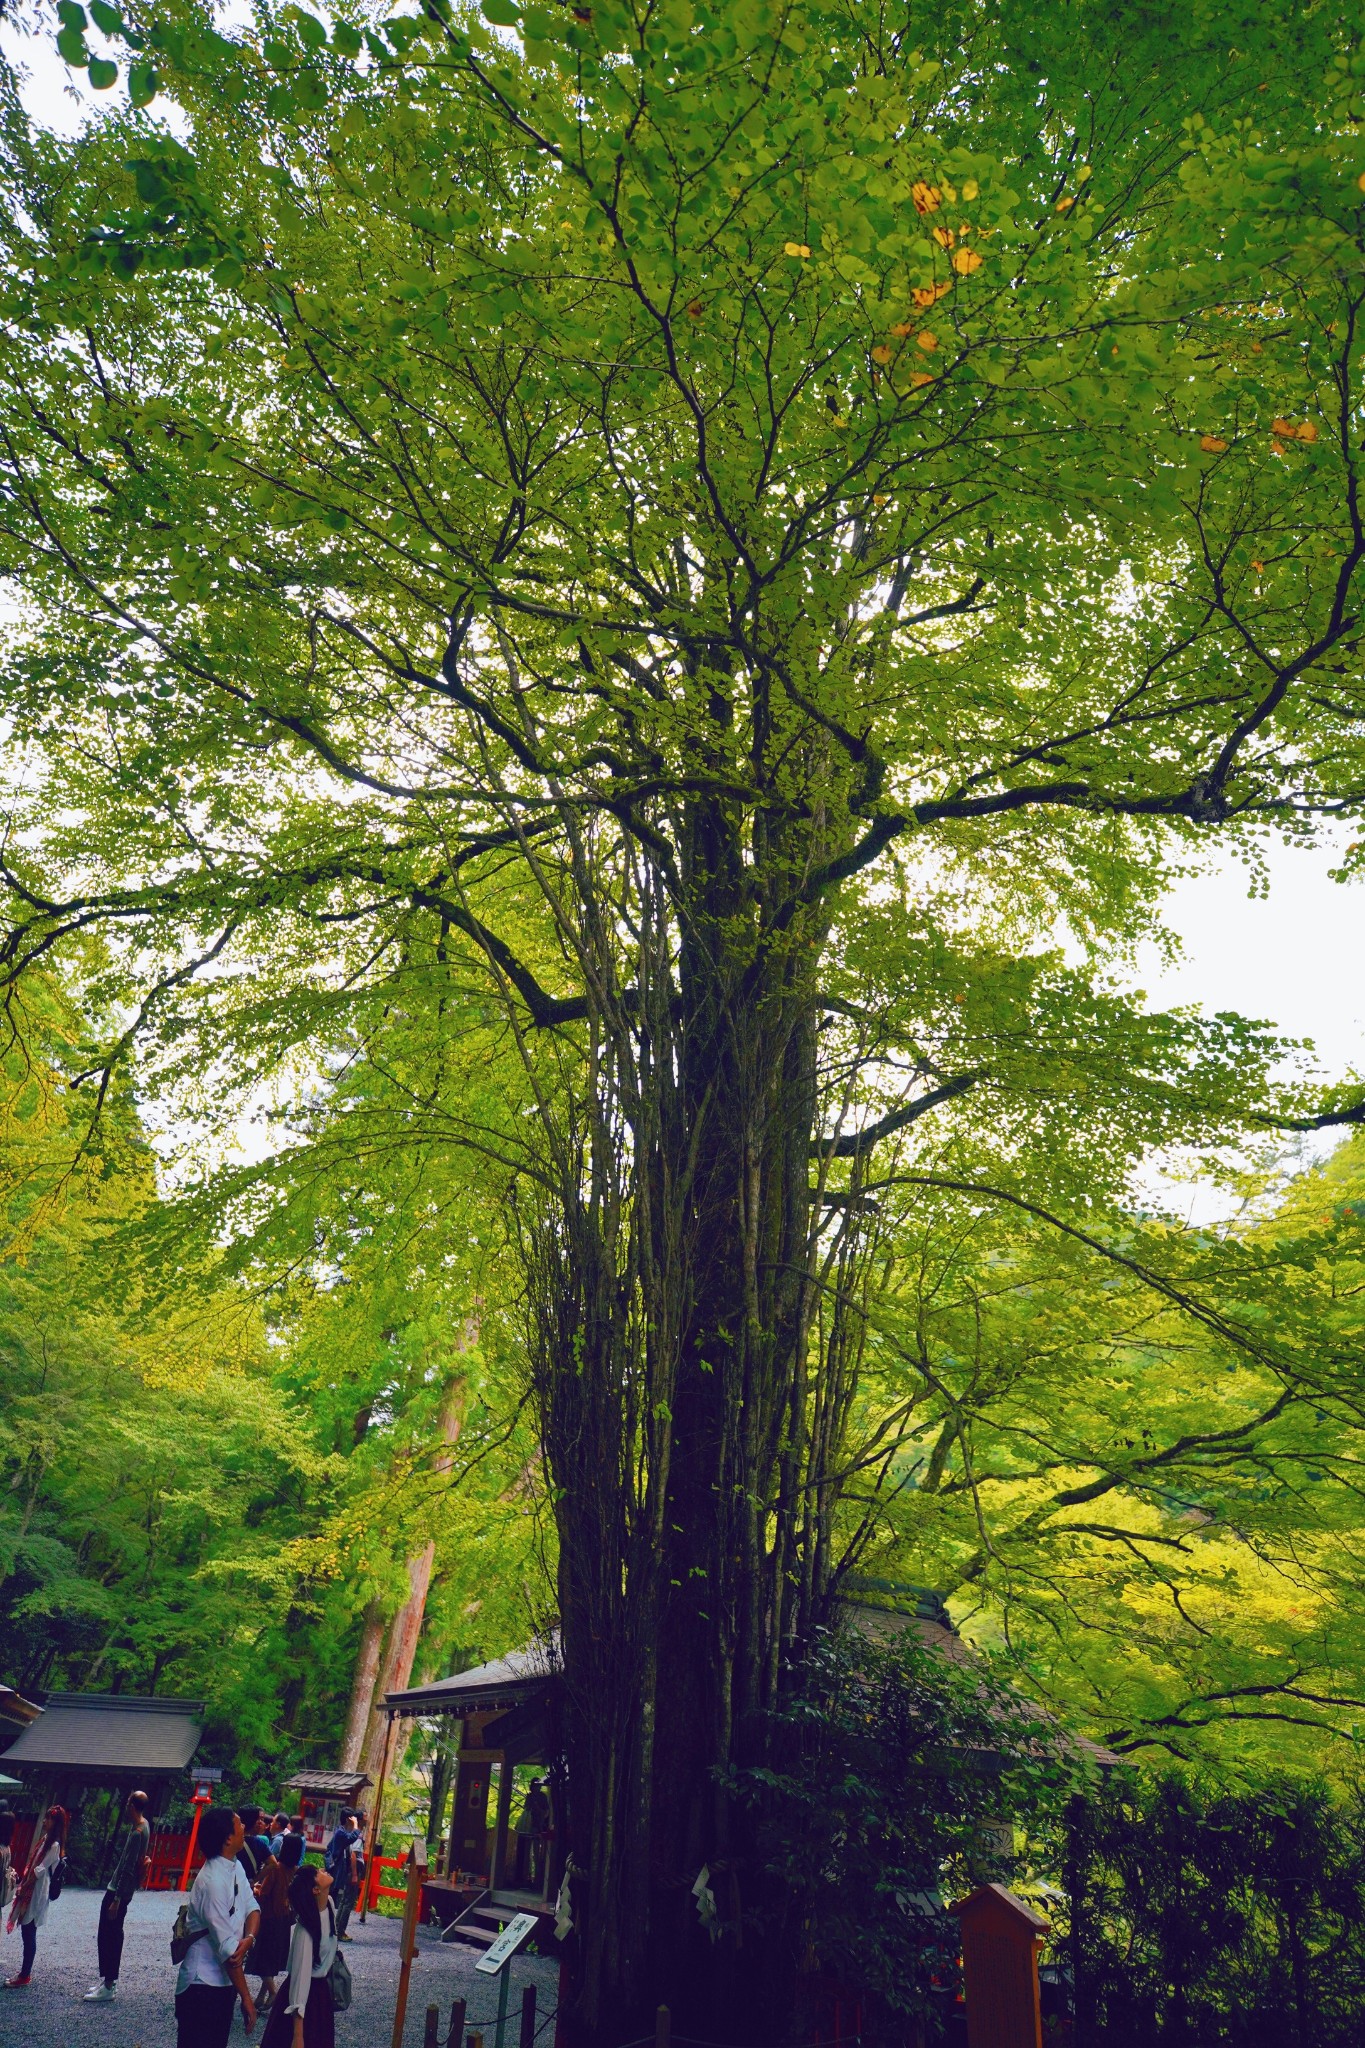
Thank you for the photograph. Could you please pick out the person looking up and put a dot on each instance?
(303, 2016)
(271, 1953)
(345, 1861)
(223, 1917)
(34, 1891)
(134, 1861)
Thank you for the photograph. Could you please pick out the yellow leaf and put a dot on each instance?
(1212, 444)
(965, 261)
(801, 249)
(879, 498)
(927, 198)
(1062, 204)
(941, 290)
(1286, 429)
(943, 236)
(970, 189)
(924, 295)
(883, 353)
(1082, 174)
(1258, 566)
(839, 420)
(695, 310)
(1307, 432)
(928, 342)
(1361, 181)
(904, 327)
(918, 377)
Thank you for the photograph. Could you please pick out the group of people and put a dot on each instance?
(256, 1909)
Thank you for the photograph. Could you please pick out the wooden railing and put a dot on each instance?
(376, 1889)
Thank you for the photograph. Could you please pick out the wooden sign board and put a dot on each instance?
(513, 1936)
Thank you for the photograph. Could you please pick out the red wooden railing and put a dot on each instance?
(384, 1891)
(168, 1860)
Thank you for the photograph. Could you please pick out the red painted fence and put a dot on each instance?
(379, 1890)
(168, 1860)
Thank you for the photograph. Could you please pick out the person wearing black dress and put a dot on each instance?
(271, 1953)
(302, 2015)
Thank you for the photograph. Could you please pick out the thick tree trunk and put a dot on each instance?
(672, 1365)
(405, 1630)
(362, 1687)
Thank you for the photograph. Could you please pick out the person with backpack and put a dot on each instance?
(345, 1863)
(219, 1923)
(134, 1861)
(40, 1884)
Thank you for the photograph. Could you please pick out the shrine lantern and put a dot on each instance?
(1001, 1937)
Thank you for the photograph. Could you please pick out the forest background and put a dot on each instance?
(632, 679)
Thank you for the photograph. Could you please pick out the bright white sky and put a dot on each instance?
(1294, 959)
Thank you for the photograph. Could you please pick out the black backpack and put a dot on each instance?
(57, 1879)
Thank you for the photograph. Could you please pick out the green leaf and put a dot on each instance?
(106, 17)
(142, 84)
(312, 34)
(346, 39)
(71, 16)
(102, 73)
(71, 44)
(502, 13)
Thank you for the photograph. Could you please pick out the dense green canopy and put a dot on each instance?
(629, 607)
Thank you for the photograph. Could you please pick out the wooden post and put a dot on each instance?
(504, 1984)
(412, 1907)
(475, 2041)
(369, 1891)
(527, 2037)
(502, 1814)
(663, 2027)
(429, 2039)
(455, 2037)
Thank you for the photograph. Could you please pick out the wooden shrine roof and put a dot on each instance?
(112, 1734)
(504, 1682)
(336, 1784)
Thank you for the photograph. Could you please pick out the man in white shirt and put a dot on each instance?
(223, 1914)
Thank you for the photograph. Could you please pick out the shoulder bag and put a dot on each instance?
(339, 1983)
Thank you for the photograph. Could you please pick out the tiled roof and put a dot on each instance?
(118, 1732)
(500, 1683)
(346, 1783)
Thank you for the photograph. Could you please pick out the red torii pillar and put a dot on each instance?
(1001, 1937)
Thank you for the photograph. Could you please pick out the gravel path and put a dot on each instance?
(50, 2013)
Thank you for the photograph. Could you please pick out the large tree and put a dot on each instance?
(613, 512)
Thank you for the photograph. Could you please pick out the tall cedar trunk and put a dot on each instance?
(362, 1686)
(405, 1630)
(681, 1581)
